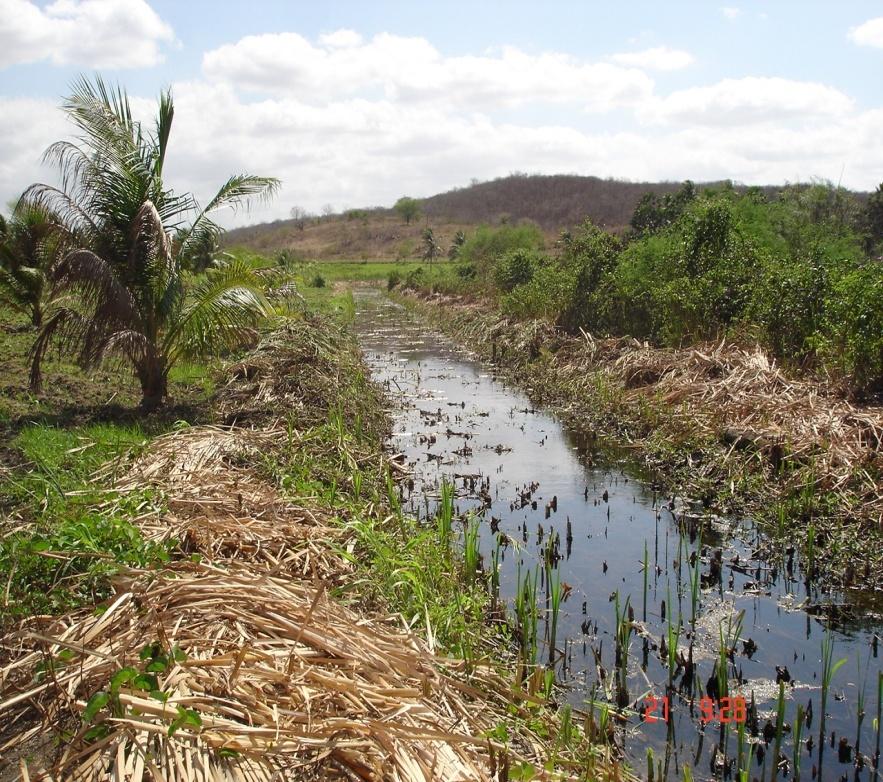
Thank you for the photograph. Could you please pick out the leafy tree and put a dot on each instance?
(30, 244)
(515, 268)
(653, 213)
(123, 283)
(431, 248)
(407, 208)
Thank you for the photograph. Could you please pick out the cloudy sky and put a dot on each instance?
(357, 103)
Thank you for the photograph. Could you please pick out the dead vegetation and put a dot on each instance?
(235, 662)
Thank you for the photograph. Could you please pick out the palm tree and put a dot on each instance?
(120, 293)
(431, 248)
(30, 244)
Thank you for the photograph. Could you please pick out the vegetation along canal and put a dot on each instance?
(652, 607)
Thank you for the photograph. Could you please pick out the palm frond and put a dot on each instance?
(220, 313)
(164, 117)
(237, 191)
(97, 285)
(68, 212)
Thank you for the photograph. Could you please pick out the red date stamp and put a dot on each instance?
(725, 711)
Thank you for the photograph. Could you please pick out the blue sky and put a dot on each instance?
(356, 103)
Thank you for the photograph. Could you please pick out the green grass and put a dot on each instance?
(66, 536)
(363, 271)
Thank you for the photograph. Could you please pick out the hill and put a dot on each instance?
(552, 202)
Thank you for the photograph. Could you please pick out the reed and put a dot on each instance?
(445, 518)
(623, 636)
(860, 704)
(829, 668)
(694, 582)
(810, 553)
(495, 568)
(526, 614)
(877, 721)
(673, 633)
(796, 743)
(553, 581)
(471, 552)
(392, 496)
(646, 576)
(780, 724)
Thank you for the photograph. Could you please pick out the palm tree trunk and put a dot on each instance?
(154, 379)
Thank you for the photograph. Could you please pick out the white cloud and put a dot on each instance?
(731, 12)
(88, 33)
(868, 34)
(412, 70)
(749, 101)
(659, 58)
(27, 127)
(359, 122)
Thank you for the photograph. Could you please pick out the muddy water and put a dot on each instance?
(530, 478)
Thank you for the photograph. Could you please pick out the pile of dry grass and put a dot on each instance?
(298, 373)
(284, 682)
(744, 397)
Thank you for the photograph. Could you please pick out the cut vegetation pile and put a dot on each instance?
(235, 661)
(729, 411)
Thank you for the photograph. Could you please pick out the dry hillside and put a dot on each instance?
(553, 202)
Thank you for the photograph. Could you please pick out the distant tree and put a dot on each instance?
(299, 216)
(654, 213)
(873, 219)
(199, 254)
(454, 249)
(431, 248)
(357, 214)
(327, 210)
(407, 208)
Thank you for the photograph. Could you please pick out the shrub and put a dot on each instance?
(853, 338)
(542, 297)
(487, 244)
(318, 281)
(788, 305)
(588, 259)
(514, 268)
(393, 279)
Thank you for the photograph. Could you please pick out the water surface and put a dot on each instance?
(531, 478)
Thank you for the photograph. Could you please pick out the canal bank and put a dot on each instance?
(657, 596)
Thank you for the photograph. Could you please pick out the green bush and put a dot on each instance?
(318, 281)
(514, 268)
(788, 305)
(853, 331)
(393, 279)
(587, 261)
(544, 296)
(487, 244)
